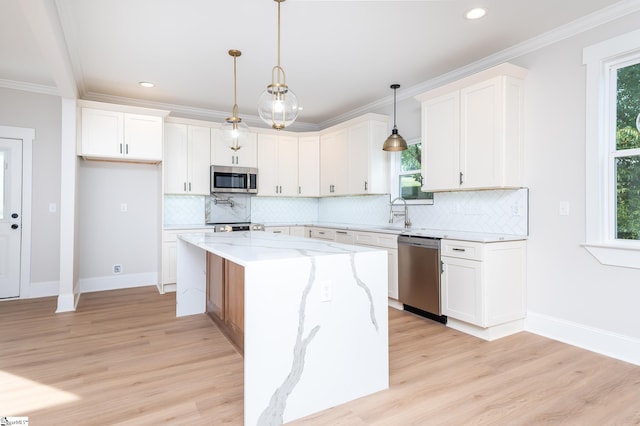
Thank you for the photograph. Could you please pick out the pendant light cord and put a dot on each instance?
(394, 108)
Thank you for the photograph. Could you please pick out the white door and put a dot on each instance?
(10, 216)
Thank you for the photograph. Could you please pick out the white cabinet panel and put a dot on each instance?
(351, 158)
(483, 283)
(278, 164)
(142, 137)
(472, 134)
(309, 166)
(120, 136)
(186, 166)
(223, 155)
(334, 163)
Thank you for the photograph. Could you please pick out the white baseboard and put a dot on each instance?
(88, 285)
(491, 333)
(67, 303)
(395, 304)
(613, 345)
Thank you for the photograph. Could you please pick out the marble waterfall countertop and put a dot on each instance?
(246, 247)
(315, 318)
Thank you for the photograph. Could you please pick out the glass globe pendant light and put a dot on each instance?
(278, 105)
(234, 130)
(394, 142)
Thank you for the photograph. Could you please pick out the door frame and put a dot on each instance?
(27, 136)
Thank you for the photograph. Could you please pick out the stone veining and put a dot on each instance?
(273, 415)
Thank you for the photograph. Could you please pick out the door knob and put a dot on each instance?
(14, 226)
(14, 215)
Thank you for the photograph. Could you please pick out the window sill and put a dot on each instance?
(616, 254)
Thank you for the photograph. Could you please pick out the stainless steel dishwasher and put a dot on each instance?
(419, 276)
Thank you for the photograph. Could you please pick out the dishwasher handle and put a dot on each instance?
(426, 242)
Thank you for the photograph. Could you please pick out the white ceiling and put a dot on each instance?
(338, 55)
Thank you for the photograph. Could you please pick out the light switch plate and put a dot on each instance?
(564, 208)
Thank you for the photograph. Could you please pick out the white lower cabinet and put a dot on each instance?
(297, 231)
(277, 229)
(389, 242)
(169, 257)
(483, 284)
(344, 237)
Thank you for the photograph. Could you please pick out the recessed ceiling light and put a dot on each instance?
(476, 13)
(146, 84)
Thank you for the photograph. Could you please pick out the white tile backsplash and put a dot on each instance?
(284, 210)
(496, 211)
(183, 210)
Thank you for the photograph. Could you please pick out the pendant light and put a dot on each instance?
(394, 142)
(278, 105)
(234, 130)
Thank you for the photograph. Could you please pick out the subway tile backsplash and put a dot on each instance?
(495, 211)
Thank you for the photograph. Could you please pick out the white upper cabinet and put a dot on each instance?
(278, 164)
(187, 155)
(472, 132)
(368, 163)
(121, 136)
(223, 155)
(309, 166)
(334, 163)
(352, 161)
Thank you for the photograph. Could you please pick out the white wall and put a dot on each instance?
(42, 113)
(571, 296)
(108, 236)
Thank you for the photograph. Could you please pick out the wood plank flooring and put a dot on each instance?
(124, 358)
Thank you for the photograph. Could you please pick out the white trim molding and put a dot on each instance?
(88, 285)
(593, 339)
(27, 136)
(600, 243)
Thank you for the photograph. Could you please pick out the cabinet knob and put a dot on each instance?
(14, 226)
(14, 215)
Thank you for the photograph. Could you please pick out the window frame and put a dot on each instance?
(396, 172)
(602, 61)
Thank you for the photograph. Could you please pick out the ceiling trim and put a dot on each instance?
(44, 22)
(192, 112)
(70, 38)
(571, 29)
(30, 87)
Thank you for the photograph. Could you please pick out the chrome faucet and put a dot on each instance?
(394, 213)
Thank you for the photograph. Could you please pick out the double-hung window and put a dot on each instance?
(409, 175)
(613, 150)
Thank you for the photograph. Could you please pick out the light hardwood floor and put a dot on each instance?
(124, 358)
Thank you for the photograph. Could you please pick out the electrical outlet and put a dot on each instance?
(117, 269)
(53, 207)
(123, 207)
(325, 291)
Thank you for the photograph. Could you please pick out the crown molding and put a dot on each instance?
(192, 112)
(30, 87)
(578, 26)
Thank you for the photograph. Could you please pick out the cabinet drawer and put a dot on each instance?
(376, 240)
(462, 249)
(323, 234)
(344, 237)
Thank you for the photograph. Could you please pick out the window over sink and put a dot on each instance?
(409, 175)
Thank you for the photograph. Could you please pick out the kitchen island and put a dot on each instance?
(315, 325)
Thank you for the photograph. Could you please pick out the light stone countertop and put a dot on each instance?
(397, 230)
(245, 247)
(420, 232)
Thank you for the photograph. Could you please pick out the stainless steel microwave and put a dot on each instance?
(234, 179)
